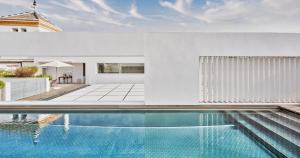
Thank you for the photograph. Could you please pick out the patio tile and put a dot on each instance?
(96, 93)
(104, 89)
(137, 90)
(110, 86)
(97, 86)
(136, 93)
(89, 98)
(64, 98)
(134, 98)
(121, 90)
(105, 93)
(117, 93)
(112, 98)
(126, 86)
(139, 86)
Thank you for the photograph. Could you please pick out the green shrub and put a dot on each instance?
(25, 72)
(44, 76)
(34, 69)
(7, 73)
(2, 84)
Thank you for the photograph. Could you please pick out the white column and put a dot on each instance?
(217, 80)
(275, 86)
(279, 80)
(265, 84)
(297, 67)
(252, 78)
(232, 79)
(222, 82)
(295, 82)
(227, 80)
(210, 80)
(284, 80)
(243, 84)
(237, 78)
(204, 79)
(201, 76)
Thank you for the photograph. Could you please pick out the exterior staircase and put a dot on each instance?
(278, 131)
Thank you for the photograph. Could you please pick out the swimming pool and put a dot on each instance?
(208, 134)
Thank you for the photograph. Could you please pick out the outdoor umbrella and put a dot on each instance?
(56, 64)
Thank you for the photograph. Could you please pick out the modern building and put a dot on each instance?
(176, 68)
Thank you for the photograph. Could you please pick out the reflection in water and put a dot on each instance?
(19, 117)
(20, 123)
(66, 123)
(35, 135)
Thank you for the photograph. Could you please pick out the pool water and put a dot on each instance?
(128, 135)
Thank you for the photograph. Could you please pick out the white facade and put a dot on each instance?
(28, 29)
(172, 60)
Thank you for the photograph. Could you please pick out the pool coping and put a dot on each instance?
(296, 111)
(42, 106)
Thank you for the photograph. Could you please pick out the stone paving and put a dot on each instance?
(106, 93)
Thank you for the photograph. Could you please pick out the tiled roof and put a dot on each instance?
(27, 16)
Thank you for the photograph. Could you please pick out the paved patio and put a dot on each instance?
(63, 89)
(106, 93)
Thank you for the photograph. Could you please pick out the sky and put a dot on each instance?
(165, 15)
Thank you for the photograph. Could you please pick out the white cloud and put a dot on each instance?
(239, 11)
(106, 7)
(20, 3)
(225, 12)
(181, 6)
(93, 15)
(81, 5)
(135, 13)
(253, 12)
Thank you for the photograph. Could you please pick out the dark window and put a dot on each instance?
(15, 30)
(23, 30)
(121, 68)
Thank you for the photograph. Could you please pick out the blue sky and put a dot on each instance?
(165, 15)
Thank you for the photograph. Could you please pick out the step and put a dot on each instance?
(284, 120)
(277, 128)
(274, 142)
(248, 130)
(289, 115)
(283, 130)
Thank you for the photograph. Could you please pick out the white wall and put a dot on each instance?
(72, 44)
(18, 88)
(172, 59)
